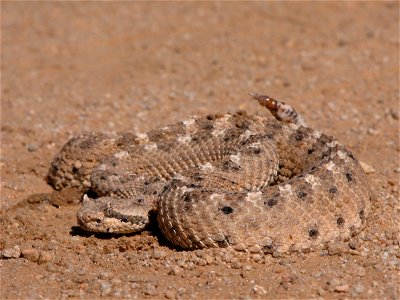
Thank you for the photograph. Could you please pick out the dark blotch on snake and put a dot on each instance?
(313, 233)
(256, 150)
(299, 136)
(272, 202)
(349, 177)
(227, 210)
(340, 221)
(333, 190)
(362, 215)
(301, 194)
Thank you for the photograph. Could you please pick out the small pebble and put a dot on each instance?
(201, 262)
(149, 289)
(337, 249)
(372, 131)
(354, 244)
(170, 294)
(104, 275)
(209, 259)
(44, 257)
(259, 290)
(367, 168)
(394, 113)
(157, 254)
(236, 264)
(317, 274)
(342, 288)
(31, 147)
(30, 254)
(175, 270)
(360, 271)
(257, 257)
(105, 288)
(14, 252)
(199, 253)
(357, 289)
(247, 268)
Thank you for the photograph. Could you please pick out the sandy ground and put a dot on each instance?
(73, 67)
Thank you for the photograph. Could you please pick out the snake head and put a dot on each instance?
(107, 214)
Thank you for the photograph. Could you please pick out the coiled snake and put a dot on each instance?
(251, 183)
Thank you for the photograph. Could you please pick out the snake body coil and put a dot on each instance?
(254, 184)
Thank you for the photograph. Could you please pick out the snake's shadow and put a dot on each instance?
(152, 229)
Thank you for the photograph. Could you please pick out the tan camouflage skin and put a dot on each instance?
(246, 182)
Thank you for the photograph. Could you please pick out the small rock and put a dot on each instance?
(321, 292)
(247, 268)
(31, 147)
(317, 274)
(257, 257)
(44, 257)
(170, 294)
(14, 252)
(259, 290)
(227, 257)
(51, 268)
(236, 264)
(181, 291)
(104, 275)
(116, 281)
(201, 262)
(367, 168)
(175, 270)
(394, 114)
(157, 254)
(209, 259)
(78, 279)
(150, 289)
(337, 249)
(343, 288)
(106, 288)
(360, 271)
(333, 283)
(353, 244)
(30, 254)
(372, 131)
(357, 289)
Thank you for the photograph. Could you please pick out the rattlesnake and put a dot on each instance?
(251, 183)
